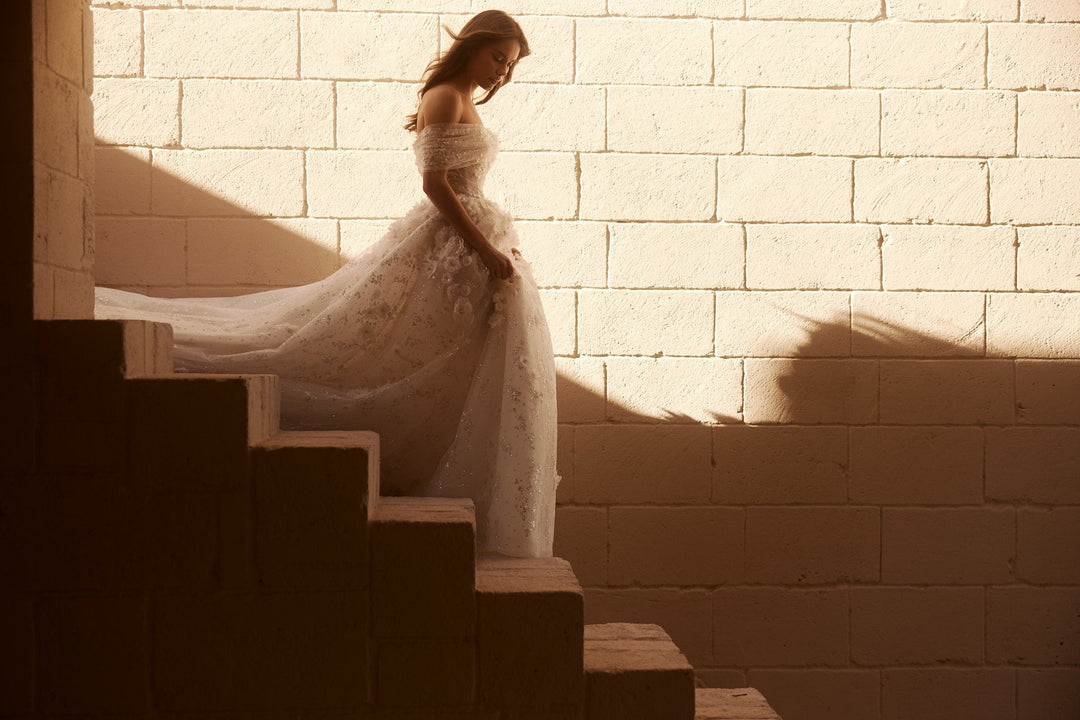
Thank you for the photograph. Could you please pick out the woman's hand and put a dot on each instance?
(497, 264)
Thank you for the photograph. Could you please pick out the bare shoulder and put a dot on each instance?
(441, 104)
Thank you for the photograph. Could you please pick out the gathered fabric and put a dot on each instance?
(412, 339)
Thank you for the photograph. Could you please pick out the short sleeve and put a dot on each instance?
(449, 146)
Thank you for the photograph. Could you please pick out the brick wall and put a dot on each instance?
(63, 159)
(811, 273)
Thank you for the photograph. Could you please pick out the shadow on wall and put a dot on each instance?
(161, 234)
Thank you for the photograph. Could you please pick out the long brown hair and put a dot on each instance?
(483, 28)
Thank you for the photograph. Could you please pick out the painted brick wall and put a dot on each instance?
(811, 269)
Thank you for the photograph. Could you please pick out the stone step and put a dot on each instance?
(733, 704)
(194, 431)
(635, 672)
(423, 596)
(314, 492)
(530, 631)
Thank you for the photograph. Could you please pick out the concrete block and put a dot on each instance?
(1048, 545)
(716, 129)
(555, 7)
(228, 182)
(579, 385)
(985, 10)
(1039, 325)
(560, 311)
(261, 4)
(203, 43)
(73, 294)
(666, 51)
(634, 672)
(780, 53)
(1047, 692)
(60, 241)
(357, 236)
(674, 390)
(648, 545)
(678, 8)
(390, 179)
(1035, 56)
(916, 466)
(81, 368)
(676, 255)
(917, 323)
(535, 186)
(258, 113)
(134, 250)
(236, 540)
(56, 118)
(780, 626)
(581, 538)
(931, 257)
(565, 254)
(912, 190)
(259, 651)
(661, 322)
(811, 391)
(782, 324)
(1032, 625)
(651, 187)
(294, 251)
(311, 509)
(370, 115)
(809, 10)
(943, 692)
(947, 392)
(783, 189)
(564, 463)
(137, 111)
(783, 121)
(642, 464)
(948, 546)
(366, 46)
(192, 432)
(122, 184)
(685, 615)
(447, 666)
(1046, 391)
(924, 122)
(812, 545)
(92, 655)
(910, 626)
(894, 54)
(762, 465)
(812, 256)
(1037, 190)
(423, 568)
(1048, 11)
(1036, 465)
(117, 42)
(537, 663)
(1048, 258)
(556, 120)
(843, 694)
(551, 37)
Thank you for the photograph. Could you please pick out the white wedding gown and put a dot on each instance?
(412, 339)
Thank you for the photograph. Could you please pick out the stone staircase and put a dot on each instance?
(273, 577)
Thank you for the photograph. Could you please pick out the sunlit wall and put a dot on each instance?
(811, 269)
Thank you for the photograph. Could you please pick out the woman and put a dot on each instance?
(434, 337)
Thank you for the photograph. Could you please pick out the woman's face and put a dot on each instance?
(489, 65)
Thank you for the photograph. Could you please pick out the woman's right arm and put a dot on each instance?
(444, 105)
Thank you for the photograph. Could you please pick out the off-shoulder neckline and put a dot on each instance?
(448, 124)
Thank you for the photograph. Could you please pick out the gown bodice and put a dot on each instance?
(465, 150)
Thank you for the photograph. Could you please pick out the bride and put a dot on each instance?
(434, 337)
